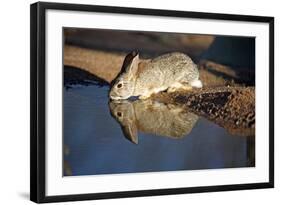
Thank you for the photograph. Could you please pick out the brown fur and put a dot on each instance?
(141, 66)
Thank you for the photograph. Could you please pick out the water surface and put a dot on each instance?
(95, 142)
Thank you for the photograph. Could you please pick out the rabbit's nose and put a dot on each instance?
(113, 96)
(110, 94)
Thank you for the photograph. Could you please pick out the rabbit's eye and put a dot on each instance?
(119, 85)
(119, 114)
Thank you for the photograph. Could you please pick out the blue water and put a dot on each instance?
(94, 142)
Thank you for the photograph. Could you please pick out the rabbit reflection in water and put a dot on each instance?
(169, 72)
(152, 117)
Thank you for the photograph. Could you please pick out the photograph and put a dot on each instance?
(134, 102)
(147, 101)
(140, 102)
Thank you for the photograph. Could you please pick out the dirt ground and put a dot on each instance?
(230, 107)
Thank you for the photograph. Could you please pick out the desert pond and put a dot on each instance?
(102, 137)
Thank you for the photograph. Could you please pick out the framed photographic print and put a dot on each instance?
(129, 102)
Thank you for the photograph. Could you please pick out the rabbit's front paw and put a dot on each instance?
(143, 97)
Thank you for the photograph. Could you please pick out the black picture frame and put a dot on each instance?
(38, 101)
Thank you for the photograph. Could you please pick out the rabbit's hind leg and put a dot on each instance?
(178, 86)
(171, 89)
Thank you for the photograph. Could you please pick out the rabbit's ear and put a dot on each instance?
(130, 64)
(130, 131)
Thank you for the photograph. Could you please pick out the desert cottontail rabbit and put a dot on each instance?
(170, 71)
